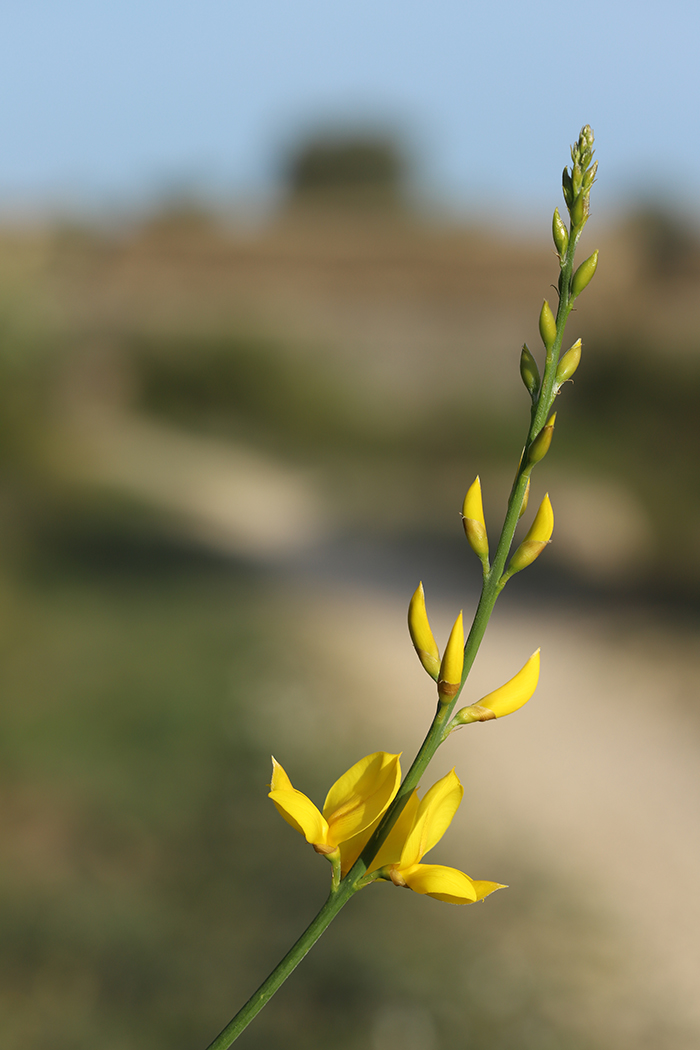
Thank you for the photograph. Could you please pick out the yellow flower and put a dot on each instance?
(421, 634)
(420, 826)
(355, 803)
(507, 698)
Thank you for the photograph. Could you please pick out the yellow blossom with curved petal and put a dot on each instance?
(421, 635)
(356, 801)
(420, 826)
(507, 698)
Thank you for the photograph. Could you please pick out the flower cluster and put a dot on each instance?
(352, 811)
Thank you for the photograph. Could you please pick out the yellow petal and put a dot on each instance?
(445, 884)
(361, 795)
(517, 691)
(543, 525)
(433, 818)
(473, 504)
(450, 677)
(296, 808)
(538, 537)
(421, 635)
(390, 850)
(484, 888)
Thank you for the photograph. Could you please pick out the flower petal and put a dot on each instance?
(361, 795)
(390, 851)
(484, 888)
(296, 808)
(445, 884)
(433, 818)
(517, 691)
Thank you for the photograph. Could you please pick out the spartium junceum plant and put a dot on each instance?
(374, 825)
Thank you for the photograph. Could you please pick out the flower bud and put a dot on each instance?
(579, 210)
(540, 446)
(560, 234)
(576, 177)
(584, 274)
(421, 635)
(589, 178)
(567, 188)
(450, 678)
(473, 520)
(504, 701)
(586, 137)
(535, 542)
(529, 372)
(568, 364)
(548, 326)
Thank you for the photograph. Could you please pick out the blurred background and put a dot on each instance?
(265, 273)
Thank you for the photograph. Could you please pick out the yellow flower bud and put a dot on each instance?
(421, 635)
(584, 274)
(548, 326)
(511, 696)
(535, 542)
(560, 234)
(450, 678)
(473, 520)
(568, 364)
(529, 372)
(540, 446)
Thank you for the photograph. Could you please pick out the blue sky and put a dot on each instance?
(106, 103)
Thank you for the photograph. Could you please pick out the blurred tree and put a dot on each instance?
(365, 170)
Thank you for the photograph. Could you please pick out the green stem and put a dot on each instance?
(283, 969)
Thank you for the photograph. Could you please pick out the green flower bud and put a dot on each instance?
(589, 178)
(540, 446)
(567, 188)
(579, 210)
(584, 274)
(586, 138)
(568, 364)
(548, 326)
(560, 234)
(577, 177)
(530, 372)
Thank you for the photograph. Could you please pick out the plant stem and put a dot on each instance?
(283, 969)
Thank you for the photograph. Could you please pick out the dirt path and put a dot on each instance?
(596, 781)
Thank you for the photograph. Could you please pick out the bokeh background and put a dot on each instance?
(265, 273)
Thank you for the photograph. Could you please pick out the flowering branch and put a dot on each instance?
(373, 825)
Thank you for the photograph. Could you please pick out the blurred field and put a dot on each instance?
(227, 457)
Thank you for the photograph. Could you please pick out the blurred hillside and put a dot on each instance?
(219, 449)
(369, 356)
